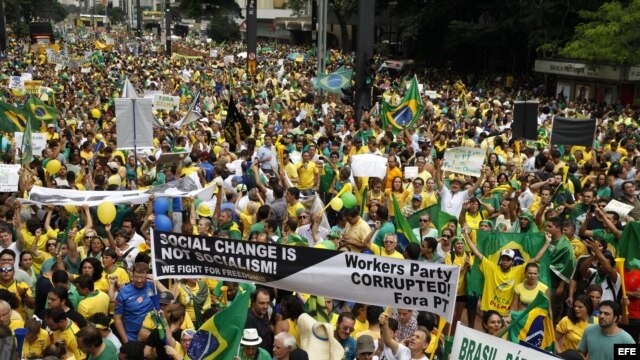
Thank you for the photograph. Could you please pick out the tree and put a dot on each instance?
(608, 35)
(344, 9)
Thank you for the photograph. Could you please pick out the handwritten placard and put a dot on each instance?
(410, 172)
(33, 86)
(165, 102)
(464, 160)
(618, 207)
(9, 177)
(369, 165)
(38, 141)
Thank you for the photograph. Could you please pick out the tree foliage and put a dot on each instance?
(610, 34)
(206, 9)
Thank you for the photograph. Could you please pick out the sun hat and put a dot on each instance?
(250, 337)
(317, 338)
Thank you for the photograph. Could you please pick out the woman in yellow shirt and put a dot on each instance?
(36, 340)
(399, 192)
(527, 290)
(393, 171)
(571, 327)
(194, 294)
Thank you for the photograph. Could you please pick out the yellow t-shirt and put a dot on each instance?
(39, 260)
(572, 333)
(459, 260)
(95, 302)
(357, 232)
(294, 209)
(246, 220)
(149, 325)
(42, 240)
(395, 254)
(68, 335)
(307, 175)
(291, 171)
(579, 248)
(13, 288)
(526, 295)
(359, 326)
(499, 286)
(185, 299)
(16, 324)
(401, 197)
(36, 348)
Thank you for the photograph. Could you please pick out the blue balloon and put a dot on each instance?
(163, 223)
(160, 206)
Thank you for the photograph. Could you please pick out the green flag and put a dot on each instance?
(219, 337)
(629, 245)
(533, 325)
(407, 113)
(563, 260)
(526, 246)
(439, 218)
(40, 110)
(27, 146)
(13, 119)
(316, 307)
(402, 225)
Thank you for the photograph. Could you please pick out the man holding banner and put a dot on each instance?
(453, 198)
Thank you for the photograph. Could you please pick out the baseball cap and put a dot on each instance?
(417, 197)
(113, 165)
(166, 297)
(508, 253)
(365, 345)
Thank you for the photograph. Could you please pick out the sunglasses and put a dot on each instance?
(51, 244)
(89, 237)
(6, 269)
(424, 220)
(302, 217)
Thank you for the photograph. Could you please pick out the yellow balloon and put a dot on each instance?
(106, 212)
(53, 166)
(19, 92)
(71, 209)
(336, 203)
(95, 113)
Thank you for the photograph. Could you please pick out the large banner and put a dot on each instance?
(464, 160)
(473, 344)
(568, 131)
(185, 187)
(365, 278)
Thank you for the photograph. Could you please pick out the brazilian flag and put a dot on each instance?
(14, 119)
(533, 325)
(335, 81)
(219, 337)
(402, 225)
(407, 113)
(40, 110)
(96, 58)
(525, 245)
(439, 218)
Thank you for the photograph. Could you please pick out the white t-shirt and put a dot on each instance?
(607, 293)
(452, 203)
(403, 353)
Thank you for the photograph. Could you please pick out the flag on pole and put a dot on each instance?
(219, 337)
(234, 116)
(192, 114)
(27, 146)
(40, 110)
(335, 81)
(407, 113)
(128, 91)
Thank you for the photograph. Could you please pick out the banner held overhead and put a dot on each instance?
(357, 277)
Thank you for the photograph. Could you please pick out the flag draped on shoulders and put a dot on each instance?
(533, 325)
(439, 218)
(526, 246)
(402, 225)
(406, 113)
(219, 337)
(563, 260)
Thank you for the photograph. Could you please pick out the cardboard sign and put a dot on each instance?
(369, 165)
(464, 160)
(33, 86)
(171, 158)
(16, 82)
(9, 177)
(618, 207)
(410, 172)
(165, 102)
(38, 141)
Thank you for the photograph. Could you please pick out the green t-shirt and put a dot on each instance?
(109, 353)
(386, 228)
(327, 178)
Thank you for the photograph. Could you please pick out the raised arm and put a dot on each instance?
(389, 341)
(543, 249)
(472, 246)
(17, 224)
(439, 174)
(478, 182)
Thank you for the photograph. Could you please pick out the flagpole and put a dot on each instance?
(135, 145)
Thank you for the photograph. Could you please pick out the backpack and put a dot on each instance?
(121, 262)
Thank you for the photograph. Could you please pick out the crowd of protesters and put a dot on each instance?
(84, 290)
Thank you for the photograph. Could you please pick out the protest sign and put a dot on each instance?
(38, 142)
(410, 172)
(16, 82)
(432, 94)
(213, 53)
(227, 59)
(350, 276)
(473, 344)
(618, 207)
(33, 86)
(9, 177)
(369, 165)
(464, 160)
(165, 102)
(171, 158)
(27, 76)
(134, 123)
